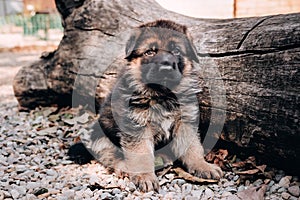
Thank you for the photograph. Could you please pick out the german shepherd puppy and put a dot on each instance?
(153, 106)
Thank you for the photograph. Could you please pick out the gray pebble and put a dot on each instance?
(282, 189)
(88, 192)
(118, 197)
(21, 190)
(274, 188)
(162, 191)
(15, 194)
(285, 195)
(1, 195)
(181, 181)
(293, 198)
(148, 194)
(116, 191)
(236, 177)
(285, 181)
(197, 193)
(189, 197)
(131, 187)
(121, 183)
(51, 172)
(30, 197)
(226, 194)
(241, 188)
(186, 188)
(231, 189)
(229, 183)
(106, 195)
(70, 194)
(271, 183)
(258, 182)
(294, 190)
(208, 193)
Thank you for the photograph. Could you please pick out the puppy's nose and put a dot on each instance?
(167, 62)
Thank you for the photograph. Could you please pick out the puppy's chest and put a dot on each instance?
(159, 118)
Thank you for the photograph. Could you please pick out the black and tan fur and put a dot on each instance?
(153, 106)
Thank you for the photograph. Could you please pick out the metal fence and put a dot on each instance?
(32, 24)
(12, 19)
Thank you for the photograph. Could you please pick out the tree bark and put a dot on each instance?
(252, 62)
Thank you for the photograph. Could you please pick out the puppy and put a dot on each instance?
(153, 108)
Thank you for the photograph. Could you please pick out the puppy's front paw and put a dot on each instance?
(206, 170)
(145, 182)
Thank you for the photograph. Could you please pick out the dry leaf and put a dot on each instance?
(47, 131)
(253, 193)
(188, 177)
(261, 168)
(248, 172)
(83, 119)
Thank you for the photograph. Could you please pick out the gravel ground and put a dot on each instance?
(34, 162)
(34, 165)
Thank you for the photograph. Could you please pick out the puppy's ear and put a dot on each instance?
(191, 49)
(131, 44)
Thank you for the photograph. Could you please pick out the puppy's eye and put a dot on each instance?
(150, 52)
(176, 51)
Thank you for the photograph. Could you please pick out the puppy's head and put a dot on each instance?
(160, 53)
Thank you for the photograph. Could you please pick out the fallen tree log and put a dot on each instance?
(252, 62)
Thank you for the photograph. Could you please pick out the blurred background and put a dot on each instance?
(30, 27)
(23, 22)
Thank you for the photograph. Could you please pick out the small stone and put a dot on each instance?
(285, 195)
(131, 187)
(106, 195)
(51, 172)
(274, 188)
(40, 191)
(186, 188)
(170, 176)
(70, 194)
(226, 194)
(189, 197)
(21, 190)
(208, 193)
(236, 177)
(93, 179)
(21, 168)
(116, 191)
(247, 183)
(271, 183)
(15, 194)
(30, 197)
(285, 181)
(1, 195)
(196, 193)
(118, 197)
(293, 198)
(241, 188)
(231, 189)
(88, 192)
(181, 182)
(121, 183)
(258, 182)
(294, 190)
(280, 190)
(148, 194)
(229, 183)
